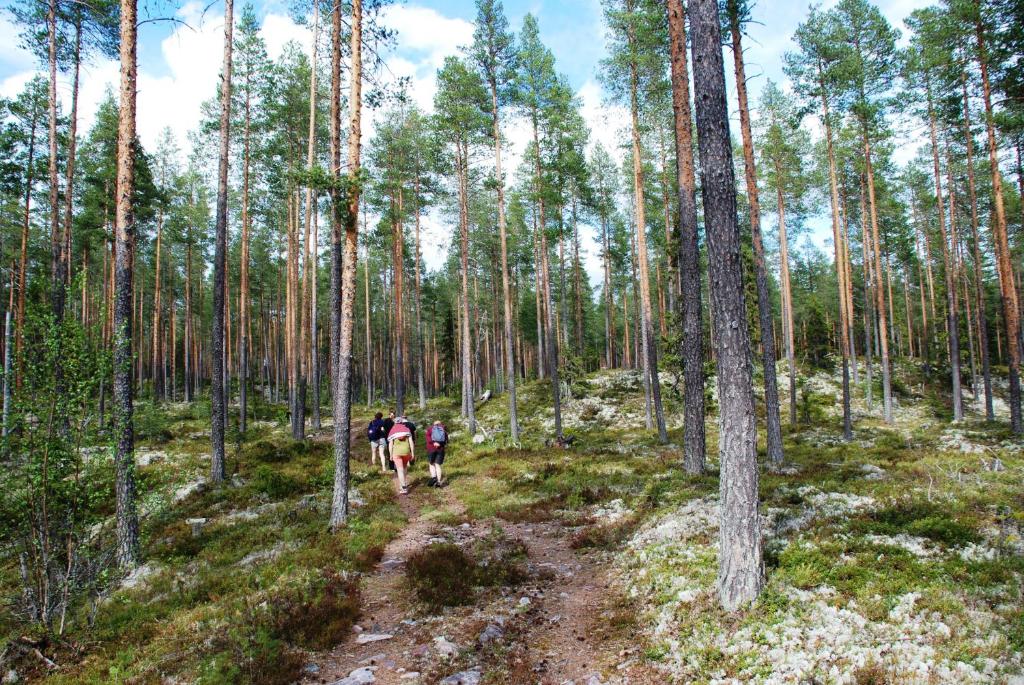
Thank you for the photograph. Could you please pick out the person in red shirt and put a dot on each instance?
(437, 441)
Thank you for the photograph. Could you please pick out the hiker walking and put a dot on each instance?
(377, 434)
(403, 452)
(437, 440)
(389, 423)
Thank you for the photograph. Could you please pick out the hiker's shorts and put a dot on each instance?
(436, 458)
(382, 443)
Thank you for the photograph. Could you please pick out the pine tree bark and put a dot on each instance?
(764, 306)
(880, 311)
(740, 566)
(420, 374)
(243, 306)
(1008, 293)
(837, 241)
(646, 321)
(26, 224)
(127, 549)
(57, 272)
(462, 163)
(343, 385)
(218, 403)
(69, 182)
(787, 296)
(550, 333)
(692, 344)
(979, 280)
(509, 356)
(948, 259)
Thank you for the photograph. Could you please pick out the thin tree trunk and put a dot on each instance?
(773, 428)
(949, 261)
(787, 296)
(979, 279)
(23, 261)
(69, 183)
(692, 344)
(420, 380)
(551, 332)
(1000, 240)
(218, 404)
(740, 565)
(647, 327)
(509, 356)
(838, 246)
(343, 385)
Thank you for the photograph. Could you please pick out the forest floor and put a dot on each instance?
(895, 558)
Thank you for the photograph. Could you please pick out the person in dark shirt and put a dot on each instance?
(377, 434)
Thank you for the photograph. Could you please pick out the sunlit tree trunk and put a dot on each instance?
(218, 397)
(692, 345)
(773, 432)
(740, 565)
(979, 297)
(1008, 292)
(650, 349)
(343, 385)
(949, 262)
(127, 546)
(839, 257)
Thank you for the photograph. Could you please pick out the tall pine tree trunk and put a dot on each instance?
(218, 397)
(646, 322)
(692, 345)
(740, 564)
(127, 547)
(949, 262)
(343, 384)
(764, 305)
(1008, 293)
(837, 241)
(509, 356)
(979, 277)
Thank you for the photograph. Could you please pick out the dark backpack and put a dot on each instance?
(438, 435)
(374, 430)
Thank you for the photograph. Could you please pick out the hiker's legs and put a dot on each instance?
(400, 467)
(437, 469)
(384, 458)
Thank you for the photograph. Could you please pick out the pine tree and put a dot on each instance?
(740, 565)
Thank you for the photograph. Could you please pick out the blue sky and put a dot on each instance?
(179, 62)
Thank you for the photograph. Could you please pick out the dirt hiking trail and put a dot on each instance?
(562, 626)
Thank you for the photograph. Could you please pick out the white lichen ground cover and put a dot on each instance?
(803, 630)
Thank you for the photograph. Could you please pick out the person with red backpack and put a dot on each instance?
(437, 441)
(403, 452)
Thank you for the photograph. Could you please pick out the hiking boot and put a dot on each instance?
(404, 490)
(432, 482)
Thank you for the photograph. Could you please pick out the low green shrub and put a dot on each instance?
(274, 484)
(441, 575)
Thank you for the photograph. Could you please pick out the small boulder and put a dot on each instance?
(444, 648)
(146, 458)
(478, 439)
(366, 638)
(491, 633)
(471, 677)
(185, 491)
(360, 676)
